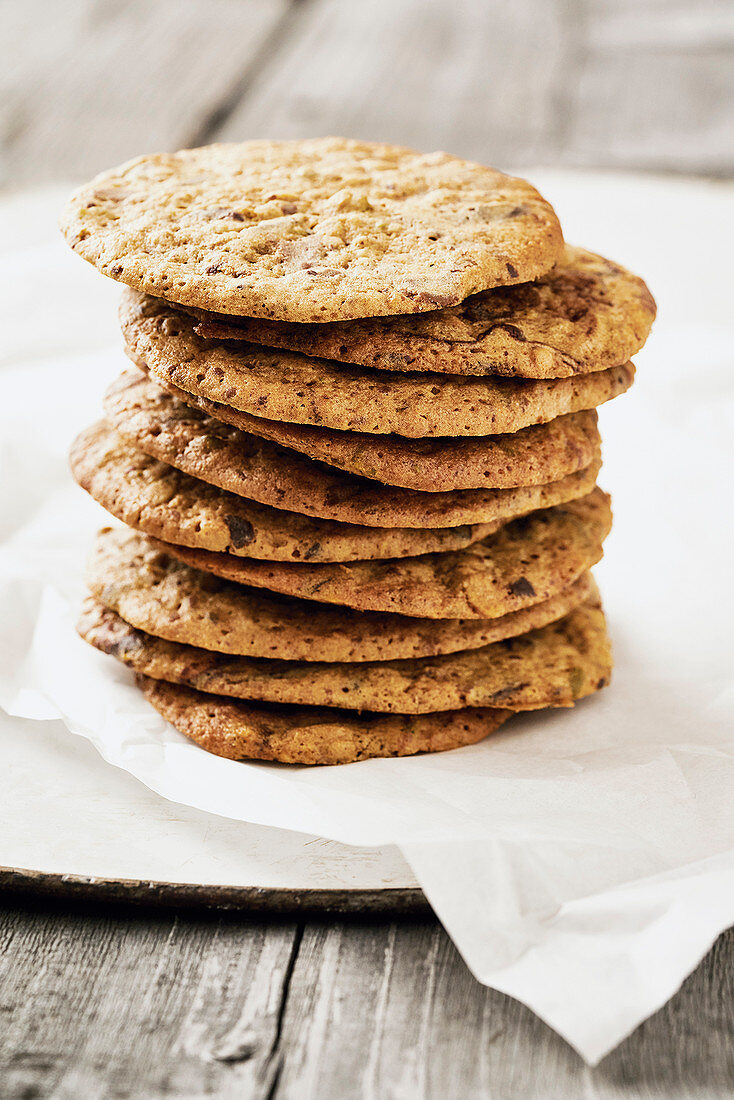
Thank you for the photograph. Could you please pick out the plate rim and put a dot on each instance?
(361, 901)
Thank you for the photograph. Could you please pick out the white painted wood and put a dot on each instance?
(653, 86)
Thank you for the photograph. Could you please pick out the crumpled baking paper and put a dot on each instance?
(582, 861)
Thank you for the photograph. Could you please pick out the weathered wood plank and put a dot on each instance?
(653, 85)
(477, 78)
(391, 1011)
(87, 83)
(98, 1005)
(635, 83)
(161, 1006)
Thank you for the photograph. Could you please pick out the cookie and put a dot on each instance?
(284, 385)
(316, 230)
(154, 421)
(158, 594)
(528, 560)
(586, 314)
(153, 497)
(551, 666)
(311, 735)
(531, 456)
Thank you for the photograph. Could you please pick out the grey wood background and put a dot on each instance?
(116, 1003)
(98, 1004)
(623, 83)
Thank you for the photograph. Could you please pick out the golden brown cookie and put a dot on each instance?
(158, 594)
(165, 428)
(153, 497)
(311, 735)
(558, 448)
(284, 385)
(585, 314)
(312, 230)
(528, 560)
(552, 666)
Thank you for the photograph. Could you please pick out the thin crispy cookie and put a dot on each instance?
(169, 430)
(551, 665)
(155, 498)
(160, 595)
(531, 456)
(524, 562)
(312, 230)
(285, 385)
(586, 314)
(311, 735)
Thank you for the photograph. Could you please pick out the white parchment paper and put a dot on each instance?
(582, 861)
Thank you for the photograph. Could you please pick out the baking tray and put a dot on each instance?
(74, 827)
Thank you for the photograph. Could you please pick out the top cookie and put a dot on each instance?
(320, 230)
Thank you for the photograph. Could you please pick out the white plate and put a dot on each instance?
(73, 825)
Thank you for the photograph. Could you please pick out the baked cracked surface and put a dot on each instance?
(315, 230)
(586, 314)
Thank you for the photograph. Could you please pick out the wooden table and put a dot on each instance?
(608, 83)
(117, 1002)
(108, 1001)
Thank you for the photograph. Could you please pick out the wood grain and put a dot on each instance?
(88, 83)
(620, 83)
(476, 78)
(100, 1003)
(102, 1006)
(613, 83)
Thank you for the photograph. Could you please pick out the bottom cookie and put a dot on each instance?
(311, 735)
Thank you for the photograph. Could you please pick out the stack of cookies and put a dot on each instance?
(356, 455)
